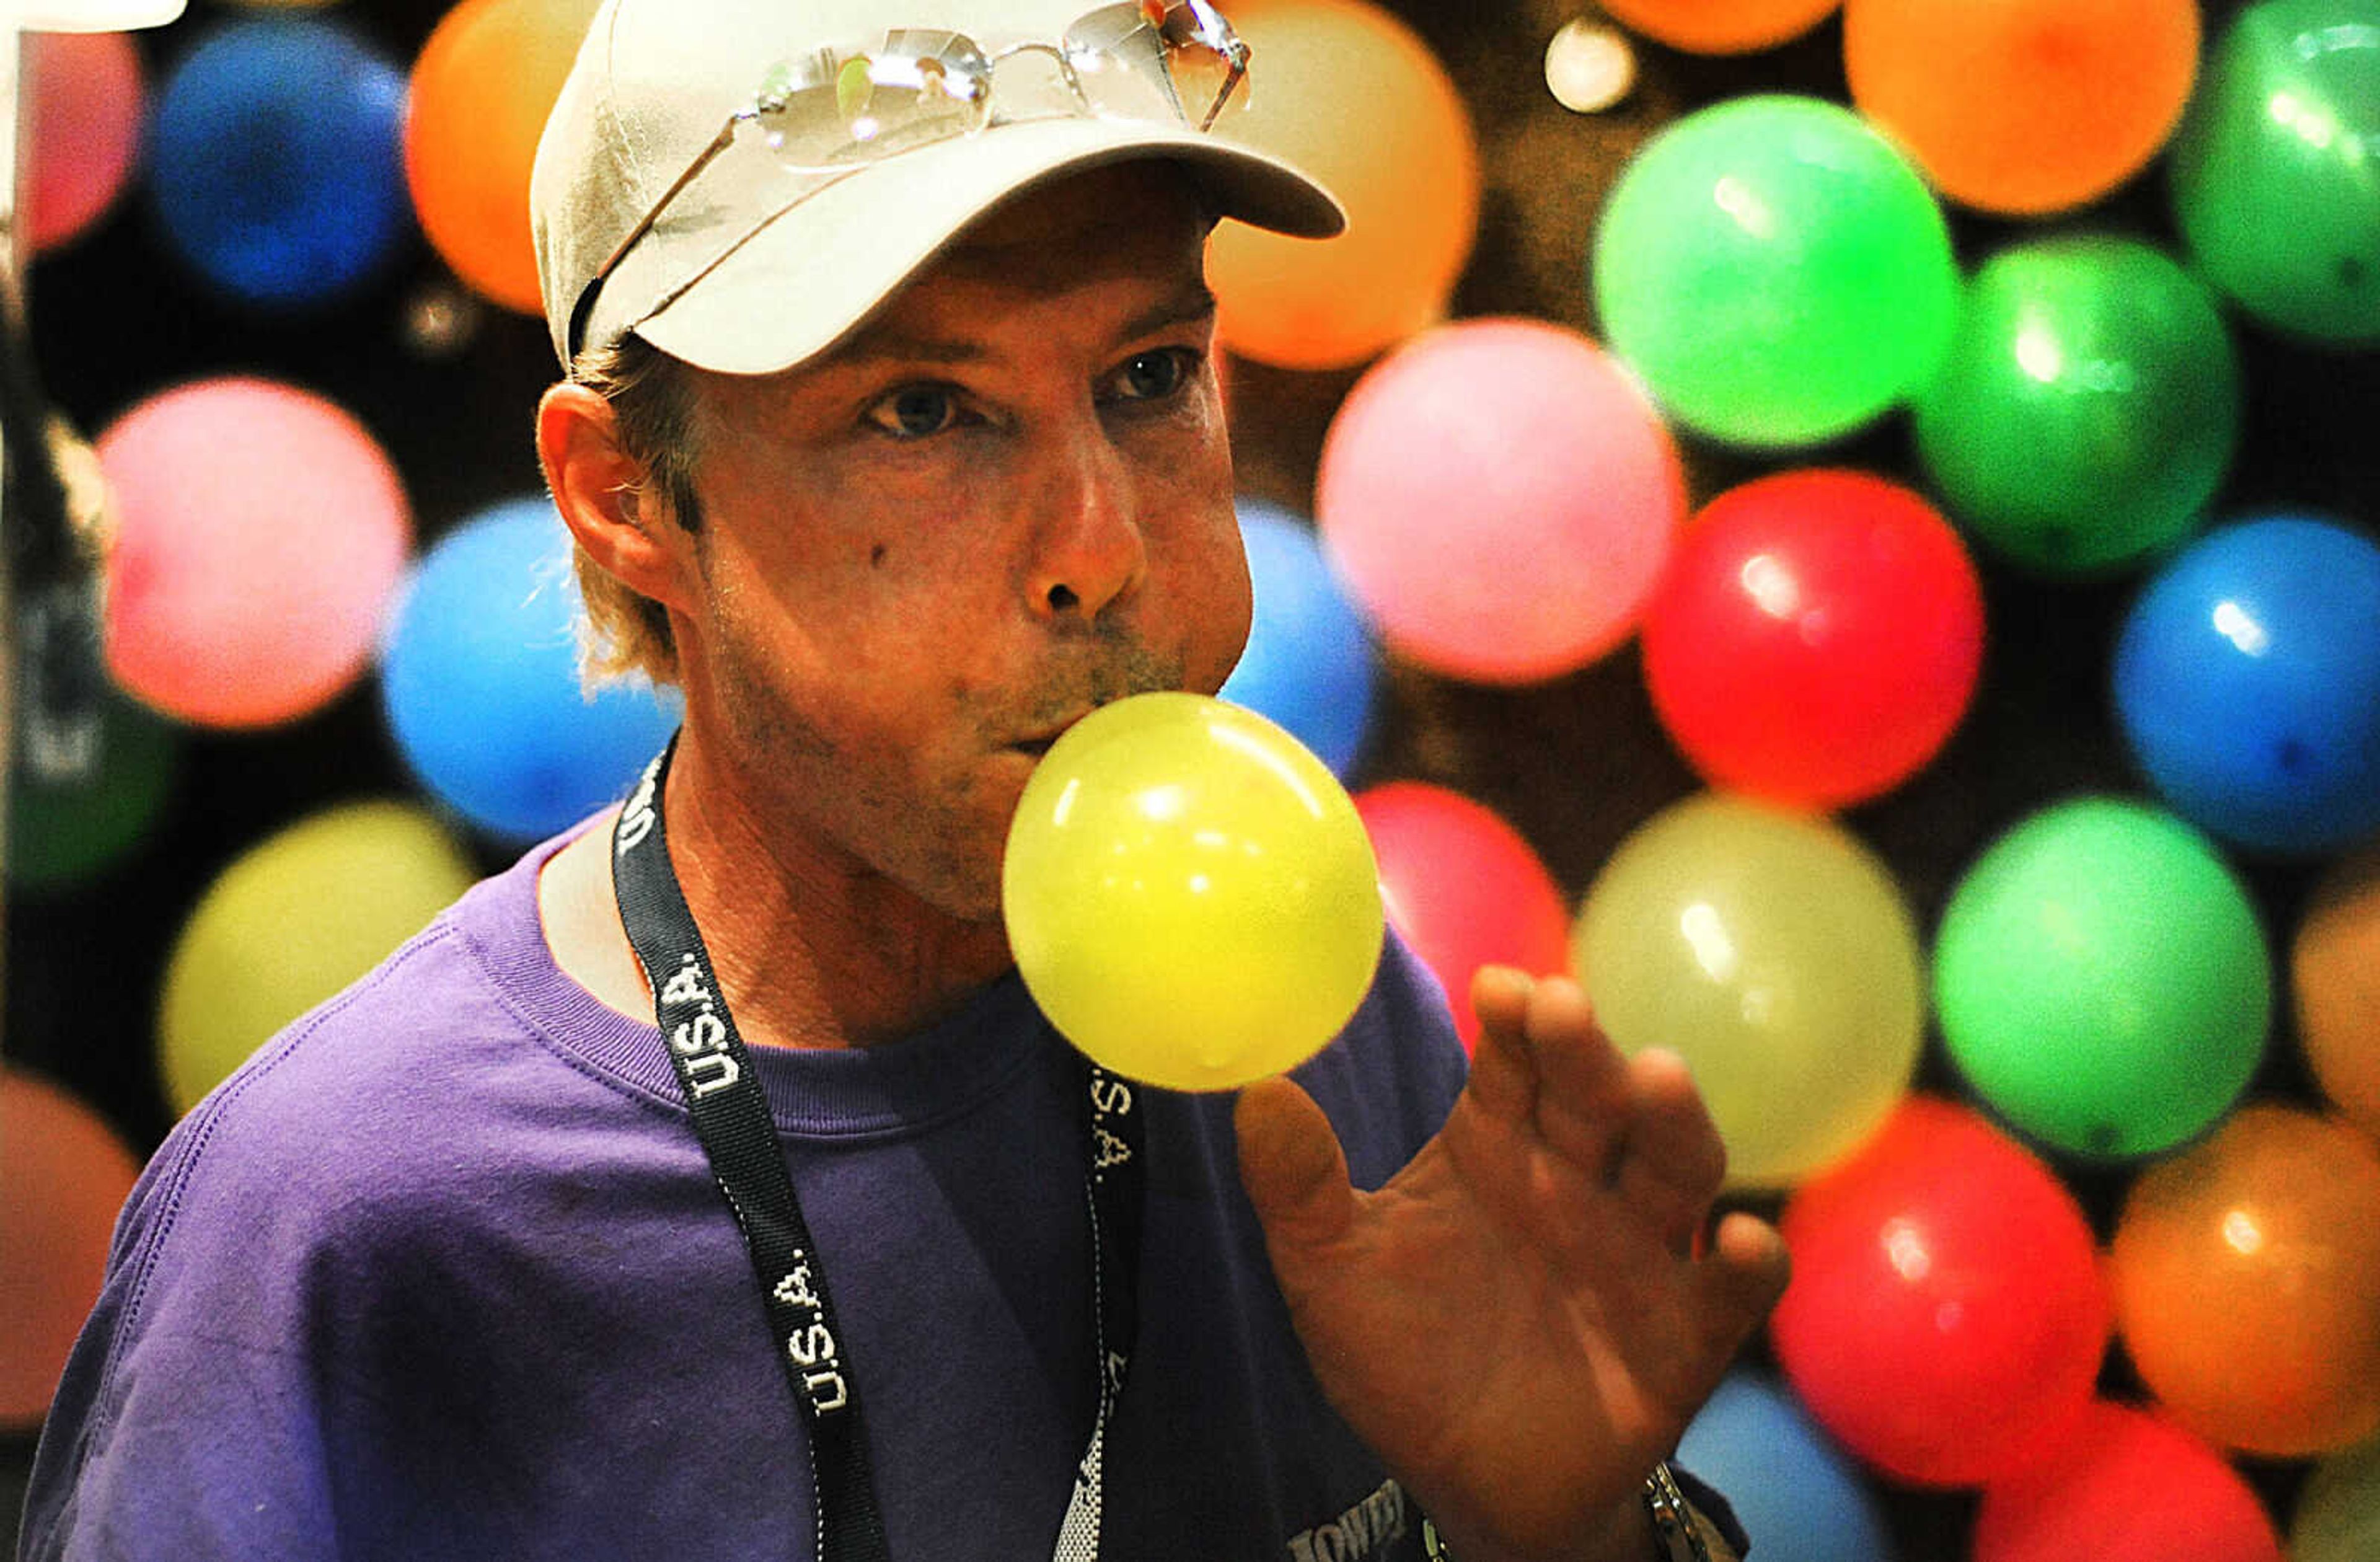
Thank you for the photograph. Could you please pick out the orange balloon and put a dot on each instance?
(1720, 26)
(66, 1173)
(481, 89)
(2023, 107)
(2246, 1277)
(2335, 979)
(1352, 95)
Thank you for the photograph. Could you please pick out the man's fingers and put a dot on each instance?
(1674, 1162)
(1744, 1273)
(1503, 1079)
(1583, 1091)
(1292, 1166)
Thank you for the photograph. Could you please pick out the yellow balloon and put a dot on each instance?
(298, 917)
(1775, 954)
(1190, 895)
(1351, 93)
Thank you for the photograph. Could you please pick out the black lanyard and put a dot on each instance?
(731, 1120)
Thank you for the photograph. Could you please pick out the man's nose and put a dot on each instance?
(1089, 551)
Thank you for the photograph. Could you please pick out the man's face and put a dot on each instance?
(1006, 501)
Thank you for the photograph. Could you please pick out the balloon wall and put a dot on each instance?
(1860, 539)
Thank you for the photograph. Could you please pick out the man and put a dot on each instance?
(890, 435)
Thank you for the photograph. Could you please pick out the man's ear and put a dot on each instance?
(603, 495)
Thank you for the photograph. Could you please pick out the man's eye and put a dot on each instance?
(1152, 376)
(916, 411)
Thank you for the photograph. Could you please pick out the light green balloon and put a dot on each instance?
(1775, 270)
(301, 916)
(2338, 1515)
(2101, 979)
(1774, 953)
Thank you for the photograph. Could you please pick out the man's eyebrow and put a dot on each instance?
(891, 345)
(1191, 305)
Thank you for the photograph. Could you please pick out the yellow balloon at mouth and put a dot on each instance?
(1191, 896)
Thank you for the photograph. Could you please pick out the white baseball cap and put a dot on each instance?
(768, 254)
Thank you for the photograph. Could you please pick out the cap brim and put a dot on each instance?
(818, 269)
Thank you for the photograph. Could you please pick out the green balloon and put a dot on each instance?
(2338, 1515)
(2101, 979)
(2275, 170)
(89, 797)
(2087, 409)
(1774, 271)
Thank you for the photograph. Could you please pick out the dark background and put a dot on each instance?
(1575, 763)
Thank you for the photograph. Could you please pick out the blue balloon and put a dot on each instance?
(276, 162)
(1799, 1497)
(480, 681)
(1309, 665)
(2247, 684)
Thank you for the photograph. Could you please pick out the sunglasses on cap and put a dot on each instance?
(833, 110)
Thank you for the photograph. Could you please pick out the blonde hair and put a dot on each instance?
(653, 408)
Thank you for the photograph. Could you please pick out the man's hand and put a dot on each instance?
(1524, 1320)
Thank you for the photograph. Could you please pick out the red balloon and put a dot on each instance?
(2127, 1487)
(1946, 1319)
(66, 1173)
(1463, 889)
(88, 93)
(1816, 638)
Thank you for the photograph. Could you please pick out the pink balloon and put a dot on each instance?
(83, 131)
(2128, 1486)
(260, 531)
(66, 1173)
(1500, 497)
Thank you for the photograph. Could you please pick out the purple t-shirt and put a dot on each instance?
(443, 1273)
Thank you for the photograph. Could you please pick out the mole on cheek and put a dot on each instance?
(876, 556)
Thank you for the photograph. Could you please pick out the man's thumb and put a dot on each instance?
(1292, 1166)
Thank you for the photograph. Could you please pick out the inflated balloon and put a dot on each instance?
(1407, 170)
(1788, 1481)
(1500, 498)
(83, 132)
(2129, 1487)
(2247, 684)
(481, 90)
(1310, 665)
(2088, 409)
(1776, 270)
(274, 166)
(2338, 1517)
(2101, 979)
(2245, 1272)
(2335, 982)
(259, 532)
(1189, 893)
(2023, 107)
(67, 1174)
(290, 922)
(480, 681)
(1815, 638)
(1946, 1318)
(1774, 953)
(70, 822)
(2271, 170)
(1720, 26)
(1464, 888)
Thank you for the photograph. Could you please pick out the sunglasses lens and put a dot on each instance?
(876, 105)
(1149, 60)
